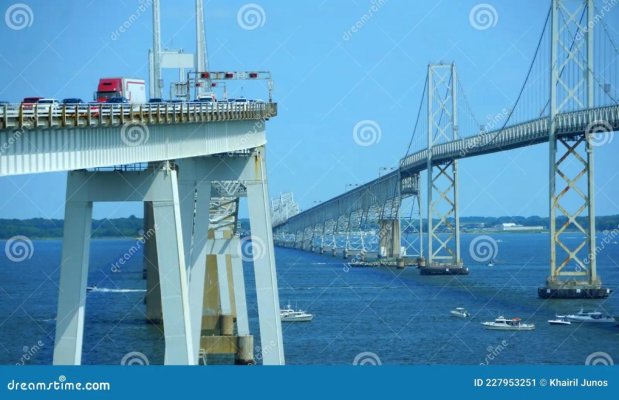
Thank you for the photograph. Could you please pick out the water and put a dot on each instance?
(400, 316)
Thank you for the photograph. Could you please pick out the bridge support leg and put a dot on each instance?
(264, 266)
(442, 193)
(173, 278)
(390, 237)
(572, 265)
(197, 261)
(153, 292)
(245, 349)
(73, 279)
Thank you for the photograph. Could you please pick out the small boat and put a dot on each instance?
(490, 264)
(559, 320)
(508, 324)
(460, 312)
(289, 314)
(590, 316)
(91, 288)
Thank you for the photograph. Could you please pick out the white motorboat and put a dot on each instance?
(289, 314)
(590, 316)
(559, 320)
(460, 312)
(508, 324)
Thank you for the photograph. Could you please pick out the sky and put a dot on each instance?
(328, 78)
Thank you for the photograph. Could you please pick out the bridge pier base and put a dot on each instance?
(157, 185)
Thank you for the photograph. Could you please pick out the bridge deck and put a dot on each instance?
(61, 140)
(105, 115)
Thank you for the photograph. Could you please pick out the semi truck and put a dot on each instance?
(134, 90)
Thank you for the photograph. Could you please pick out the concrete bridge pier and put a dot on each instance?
(159, 186)
(390, 238)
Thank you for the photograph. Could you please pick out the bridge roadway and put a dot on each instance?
(529, 133)
(92, 136)
(515, 136)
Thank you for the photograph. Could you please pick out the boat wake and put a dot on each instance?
(111, 290)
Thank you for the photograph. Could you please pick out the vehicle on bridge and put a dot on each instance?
(29, 102)
(134, 90)
(45, 105)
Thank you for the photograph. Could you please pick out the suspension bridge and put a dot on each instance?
(568, 101)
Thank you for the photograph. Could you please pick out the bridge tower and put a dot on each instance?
(442, 191)
(572, 264)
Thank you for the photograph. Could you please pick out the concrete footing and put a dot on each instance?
(443, 270)
(573, 293)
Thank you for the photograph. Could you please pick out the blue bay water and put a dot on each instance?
(400, 316)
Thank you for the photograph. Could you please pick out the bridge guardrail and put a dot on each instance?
(534, 131)
(27, 116)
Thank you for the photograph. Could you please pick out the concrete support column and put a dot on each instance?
(153, 291)
(73, 279)
(240, 299)
(173, 277)
(264, 265)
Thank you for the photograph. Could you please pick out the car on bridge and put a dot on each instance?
(46, 105)
(72, 101)
(29, 102)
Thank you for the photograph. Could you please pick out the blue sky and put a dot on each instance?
(326, 81)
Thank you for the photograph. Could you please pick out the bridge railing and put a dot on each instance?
(602, 119)
(36, 116)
